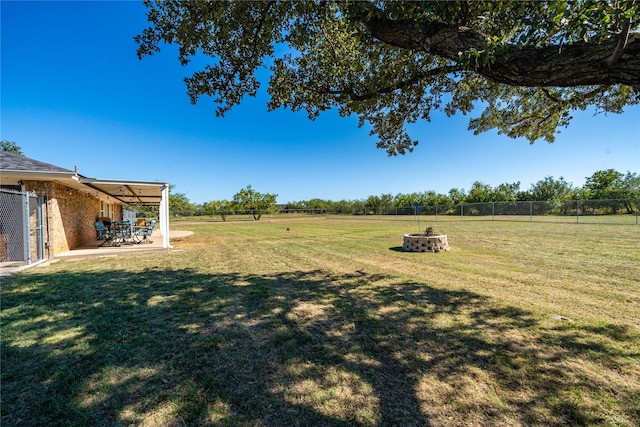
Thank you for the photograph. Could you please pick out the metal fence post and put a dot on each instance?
(577, 211)
(27, 231)
(530, 211)
(493, 211)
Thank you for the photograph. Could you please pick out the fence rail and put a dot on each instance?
(612, 211)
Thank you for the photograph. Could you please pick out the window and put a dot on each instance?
(106, 209)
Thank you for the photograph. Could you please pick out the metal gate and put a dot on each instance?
(21, 229)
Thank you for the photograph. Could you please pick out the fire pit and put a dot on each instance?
(425, 242)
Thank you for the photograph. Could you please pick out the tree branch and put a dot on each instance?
(464, 8)
(623, 38)
(397, 86)
(580, 63)
(265, 12)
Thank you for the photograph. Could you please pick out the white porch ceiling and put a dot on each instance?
(127, 191)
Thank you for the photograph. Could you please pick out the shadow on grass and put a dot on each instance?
(299, 348)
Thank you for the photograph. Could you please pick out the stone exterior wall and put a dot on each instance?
(71, 214)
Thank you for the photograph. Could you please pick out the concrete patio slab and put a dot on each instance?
(93, 249)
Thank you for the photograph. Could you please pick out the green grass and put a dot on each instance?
(330, 323)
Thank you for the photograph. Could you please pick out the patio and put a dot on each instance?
(93, 249)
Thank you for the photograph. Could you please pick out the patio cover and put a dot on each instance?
(145, 193)
(15, 168)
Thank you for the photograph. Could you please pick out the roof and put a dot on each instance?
(14, 167)
(16, 162)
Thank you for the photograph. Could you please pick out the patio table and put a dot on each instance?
(123, 233)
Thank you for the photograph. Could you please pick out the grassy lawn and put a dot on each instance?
(329, 323)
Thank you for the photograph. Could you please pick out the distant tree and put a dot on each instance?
(10, 147)
(479, 193)
(380, 205)
(422, 199)
(632, 190)
(179, 203)
(372, 205)
(457, 196)
(358, 207)
(255, 202)
(293, 206)
(632, 185)
(144, 211)
(342, 207)
(316, 204)
(606, 184)
(386, 204)
(551, 189)
(554, 193)
(432, 198)
(218, 207)
(208, 207)
(402, 200)
(411, 200)
(506, 192)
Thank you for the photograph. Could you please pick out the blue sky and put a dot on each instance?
(73, 93)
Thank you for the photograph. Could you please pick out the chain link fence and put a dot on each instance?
(21, 230)
(611, 211)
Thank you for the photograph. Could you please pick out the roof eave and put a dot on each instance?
(86, 180)
(40, 175)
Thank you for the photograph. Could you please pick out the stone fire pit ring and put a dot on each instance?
(421, 242)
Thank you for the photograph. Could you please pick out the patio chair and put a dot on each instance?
(143, 233)
(105, 220)
(103, 233)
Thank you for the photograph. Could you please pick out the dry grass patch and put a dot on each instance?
(330, 324)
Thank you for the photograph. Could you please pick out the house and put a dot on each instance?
(59, 206)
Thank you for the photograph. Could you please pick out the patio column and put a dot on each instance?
(164, 216)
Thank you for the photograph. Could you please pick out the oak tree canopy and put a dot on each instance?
(527, 65)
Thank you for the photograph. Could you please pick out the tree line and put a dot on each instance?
(606, 184)
(602, 185)
(246, 200)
